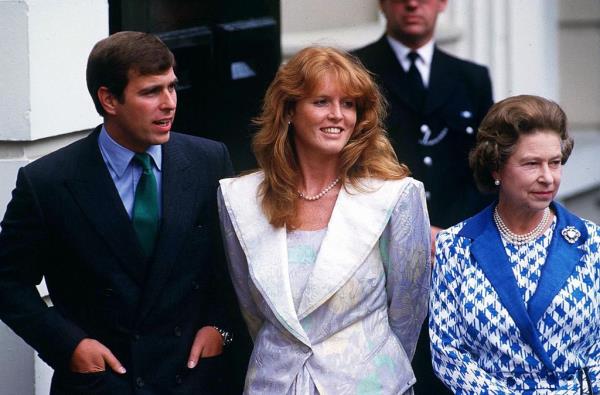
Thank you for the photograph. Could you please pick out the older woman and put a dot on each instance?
(328, 242)
(515, 303)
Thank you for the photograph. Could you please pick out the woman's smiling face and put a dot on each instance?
(324, 121)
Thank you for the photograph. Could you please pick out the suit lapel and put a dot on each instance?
(177, 220)
(357, 222)
(392, 74)
(441, 83)
(265, 248)
(560, 263)
(488, 251)
(94, 191)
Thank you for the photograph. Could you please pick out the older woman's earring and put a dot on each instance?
(497, 182)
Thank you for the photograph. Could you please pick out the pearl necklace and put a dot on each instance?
(520, 240)
(320, 194)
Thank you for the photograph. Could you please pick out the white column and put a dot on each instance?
(346, 24)
(45, 44)
(533, 46)
(517, 39)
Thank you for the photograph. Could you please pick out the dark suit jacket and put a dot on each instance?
(434, 141)
(66, 222)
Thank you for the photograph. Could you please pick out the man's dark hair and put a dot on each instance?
(115, 57)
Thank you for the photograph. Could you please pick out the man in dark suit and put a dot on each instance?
(123, 227)
(436, 104)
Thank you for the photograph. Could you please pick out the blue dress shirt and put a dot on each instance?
(124, 172)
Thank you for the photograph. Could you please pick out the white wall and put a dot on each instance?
(579, 54)
(14, 79)
(44, 49)
(579, 51)
(346, 24)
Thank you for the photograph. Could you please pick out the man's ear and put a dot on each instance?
(108, 100)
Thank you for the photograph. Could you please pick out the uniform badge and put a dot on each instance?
(571, 234)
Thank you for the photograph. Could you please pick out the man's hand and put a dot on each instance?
(208, 343)
(92, 356)
(434, 231)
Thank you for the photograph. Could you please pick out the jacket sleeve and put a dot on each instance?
(24, 247)
(238, 269)
(451, 359)
(406, 257)
(224, 311)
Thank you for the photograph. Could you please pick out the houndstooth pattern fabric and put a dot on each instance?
(477, 346)
(527, 261)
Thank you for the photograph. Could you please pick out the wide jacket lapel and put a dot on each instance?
(488, 251)
(177, 219)
(441, 82)
(94, 191)
(357, 222)
(563, 256)
(265, 247)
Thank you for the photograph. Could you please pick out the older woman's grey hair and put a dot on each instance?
(501, 128)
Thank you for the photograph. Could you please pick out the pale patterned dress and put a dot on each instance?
(303, 248)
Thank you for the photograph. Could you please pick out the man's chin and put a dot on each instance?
(162, 139)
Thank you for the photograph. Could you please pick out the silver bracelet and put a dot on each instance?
(227, 337)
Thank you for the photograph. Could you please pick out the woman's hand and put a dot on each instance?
(207, 343)
(434, 232)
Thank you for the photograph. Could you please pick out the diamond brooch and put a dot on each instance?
(571, 234)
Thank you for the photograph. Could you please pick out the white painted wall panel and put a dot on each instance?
(62, 33)
(14, 76)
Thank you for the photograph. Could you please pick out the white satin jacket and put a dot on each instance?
(357, 324)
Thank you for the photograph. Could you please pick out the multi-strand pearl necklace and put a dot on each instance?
(520, 240)
(320, 194)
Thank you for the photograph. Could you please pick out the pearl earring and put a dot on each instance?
(496, 182)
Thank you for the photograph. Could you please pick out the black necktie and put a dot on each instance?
(145, 205)
(415, 82)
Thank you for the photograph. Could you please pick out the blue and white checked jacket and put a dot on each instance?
(486, 340)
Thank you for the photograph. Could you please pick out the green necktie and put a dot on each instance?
(145, 205)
